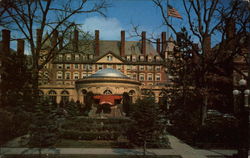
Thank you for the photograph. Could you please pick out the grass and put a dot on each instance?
(92, 156)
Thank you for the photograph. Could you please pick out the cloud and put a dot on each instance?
(109, 27)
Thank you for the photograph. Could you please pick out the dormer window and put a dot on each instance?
(141, 58)
(128, 58)
(109, 58)
(149, 58)
(60, 57)
(68, 57)
(77, 57)
(90, 56)
(134, 58)
(157, 58)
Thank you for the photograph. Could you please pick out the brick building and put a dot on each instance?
(138, 60)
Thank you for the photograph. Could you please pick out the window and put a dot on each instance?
(65, 96)
(149, 58)
(157, 58)
(134, 58)
(158, 77)
(99, 66)
(142, 77)
(150, 77)
(91, 56)
(109, 58)
(59, 66)
(40, 95)
(141, 58)
(110, 66)
(76, 66)
(118, 67)
(150, 68)
(128, 67)
(134, 77)
(68, 57)
(128, 58)
(76, 75)
(141, 67)
(67, 75)
(158, 68)
(134, 67)
(52, 96)
(84, 75)
(59, 75)
(77, 57)
(129, 75)
(67, 66)
(60, 57)
(107, 92)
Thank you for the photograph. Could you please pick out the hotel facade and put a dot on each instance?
(137, 65)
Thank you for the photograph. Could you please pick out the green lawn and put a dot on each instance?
(90, 156)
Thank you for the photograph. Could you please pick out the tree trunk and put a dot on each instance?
(204, 109)
(144, 148)
(35, 77)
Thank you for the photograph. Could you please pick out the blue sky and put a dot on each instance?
(122, 14)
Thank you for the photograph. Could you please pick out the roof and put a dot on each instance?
(131, 47)
(108, 73)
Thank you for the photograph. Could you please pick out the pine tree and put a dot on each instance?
(44, 127)
(147, 126)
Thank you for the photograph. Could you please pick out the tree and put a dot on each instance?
(207, 19)
(44, 130)
(126, 103)
(147, 125)
(46, 16)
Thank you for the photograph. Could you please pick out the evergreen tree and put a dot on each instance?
(44, 127)
(147, 123)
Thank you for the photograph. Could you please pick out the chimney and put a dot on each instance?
(6, 41)
(54, 39)
(38, 38)
(164, 43)
(143, 48)
(20, 47)
(230, 28)
(75, 42)
(96, 42)
(60, 42)
(122, 47)
(158, 45)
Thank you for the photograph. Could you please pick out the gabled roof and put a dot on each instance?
(118, 57)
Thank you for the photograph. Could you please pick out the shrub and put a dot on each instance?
(79, 135)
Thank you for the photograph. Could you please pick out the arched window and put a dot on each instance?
(107, 92)
(40, 95)
(65, 96)
(76, 75)
(84, 91)
(52, 96)
(131, 92)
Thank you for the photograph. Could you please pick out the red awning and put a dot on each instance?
(107, 99)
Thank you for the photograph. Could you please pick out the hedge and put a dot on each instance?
(79, 135)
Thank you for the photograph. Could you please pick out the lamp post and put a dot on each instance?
(243, 116)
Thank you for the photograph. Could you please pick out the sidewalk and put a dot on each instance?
(178, 148)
